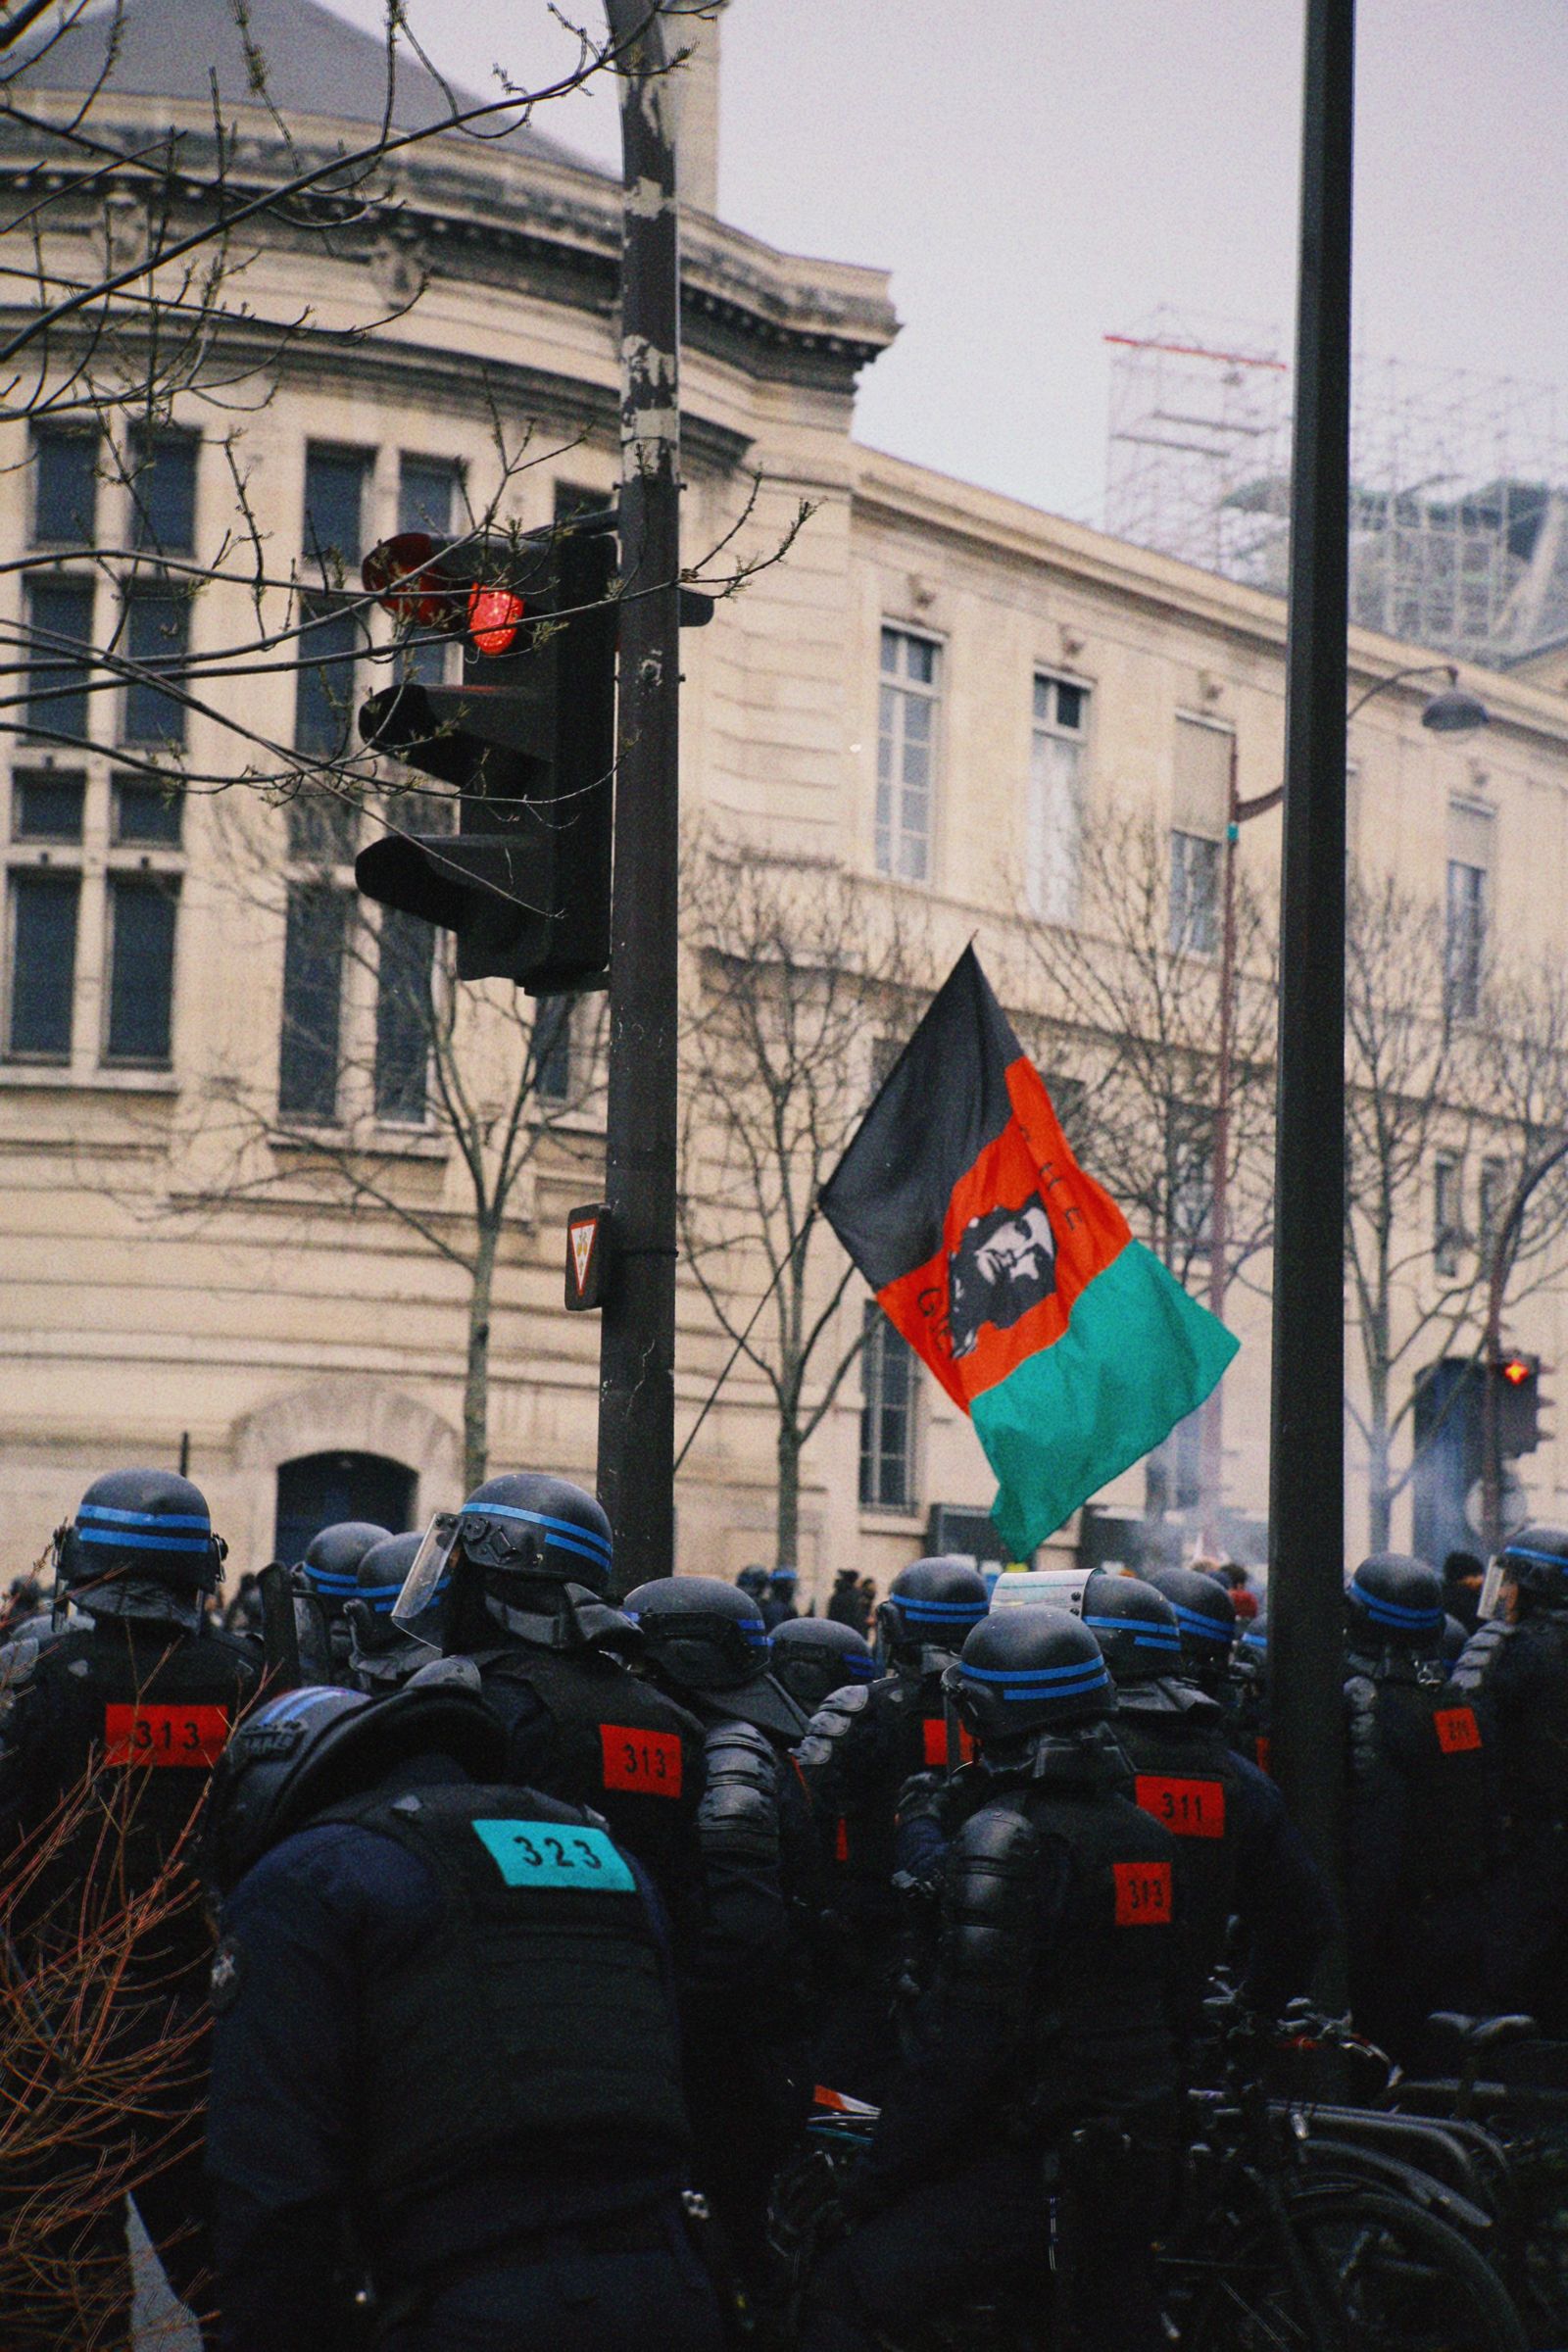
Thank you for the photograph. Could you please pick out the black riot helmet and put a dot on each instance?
(932, 1604)
(1395, 1603)
(1026, 1670)
(330, 1568)
(814, 1656)
(526, 1523)
(706, 1641)
(1135, 1627)
(1206, 1619)
(378, 1579)
(317, 1746)
(754, 1581)
(1536, 1561)
(141, 1523)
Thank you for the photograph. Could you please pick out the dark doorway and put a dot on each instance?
(318, 1489)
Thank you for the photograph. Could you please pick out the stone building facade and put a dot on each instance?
(930, 690)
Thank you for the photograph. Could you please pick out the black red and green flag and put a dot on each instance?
(1011, 1272)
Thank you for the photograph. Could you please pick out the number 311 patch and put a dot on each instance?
(554, 1854)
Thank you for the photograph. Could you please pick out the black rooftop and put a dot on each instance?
(316, 63)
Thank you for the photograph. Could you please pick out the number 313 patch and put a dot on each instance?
(554, 1854)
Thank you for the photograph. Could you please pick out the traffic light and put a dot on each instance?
(528, 739)
(1517, 1383)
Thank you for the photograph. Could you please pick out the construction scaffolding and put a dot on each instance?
(1459, 484)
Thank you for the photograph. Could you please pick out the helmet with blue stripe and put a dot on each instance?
(143, 1523)
(1206, 1619)
(932, 1604)
(814, 1656)
(1395, 1601)
(319, 1746)
(330, 1568)
(1536, 1560)
(379, 1579)
(526, 1523)
(706, 1635)
(1029, 1669)
(1134, 1626)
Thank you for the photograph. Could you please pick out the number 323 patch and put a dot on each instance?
(554, 1854)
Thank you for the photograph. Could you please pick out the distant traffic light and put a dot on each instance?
(528, 739)
(1517, 1383)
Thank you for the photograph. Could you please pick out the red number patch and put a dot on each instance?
(164, 1734)
(1260, 1748)
(935, 1728)
(645, 1763)
(1188, 1808)
(1457, 1729)
(1143, 1894)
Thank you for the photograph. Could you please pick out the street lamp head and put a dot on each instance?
(1455, 711)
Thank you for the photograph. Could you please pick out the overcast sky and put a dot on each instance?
(1039, 172)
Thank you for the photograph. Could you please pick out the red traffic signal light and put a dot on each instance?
(1516, 1380)
(472, 588)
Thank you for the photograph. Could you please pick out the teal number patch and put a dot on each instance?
(553, 1854)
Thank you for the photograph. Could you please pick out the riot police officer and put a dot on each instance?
(1049, 2014)
(129, 1702)
(749, 1982)
(859, 1749)
(1236, 1852)
(445, 2047)
(814, 1656)
(1514, 1674)
(1205, 1619)
(325, 1581)
(382, 1655)
(1420, 1815)
(527, 1563)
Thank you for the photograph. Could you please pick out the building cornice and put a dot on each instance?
(986, 524)
(484, 214)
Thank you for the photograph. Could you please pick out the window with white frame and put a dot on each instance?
(1491, 1207)
(888, 1391)
(1199, 813)
(1059, 733)
(93, 871)
(907, 753)
(1468, 908)
(1447, 1215)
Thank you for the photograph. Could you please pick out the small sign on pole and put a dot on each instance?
(585, 1259)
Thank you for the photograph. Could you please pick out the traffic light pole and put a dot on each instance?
(1306, 1499)
(637, 1359)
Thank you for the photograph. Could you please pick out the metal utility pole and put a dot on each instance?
(637, 1359)
(1306, 1484)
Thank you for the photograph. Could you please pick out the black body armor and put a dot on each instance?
(1094, 1995)
(1174, 1738)
(536, 2027)
(614, 1742)
(1516, 1678)
(1416, 1742)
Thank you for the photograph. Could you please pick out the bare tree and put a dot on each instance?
(1410, 1091)
(1126, 1006)
(102, 2054)
(798, 970)
(393, 1094)
(142, 301)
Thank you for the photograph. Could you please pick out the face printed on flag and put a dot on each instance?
(1011, 1271)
